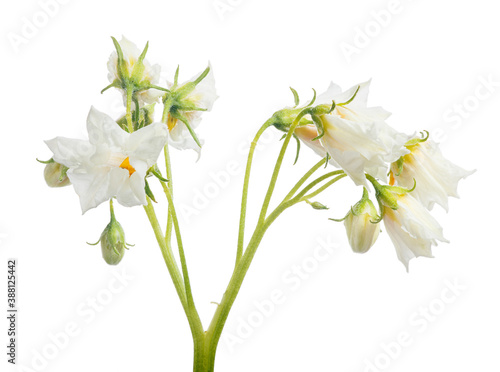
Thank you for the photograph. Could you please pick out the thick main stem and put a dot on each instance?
(218, 321)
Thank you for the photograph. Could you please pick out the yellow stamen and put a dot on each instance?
(392, 179)
(126, 165)
(171, 122)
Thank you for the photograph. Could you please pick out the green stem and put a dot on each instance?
(323, 188)
(175, 222)
(304, 179)
(129, 110)
(276, 171)
(317, 181)
(180, 286)
(214, 331)
(168, 166)
(167, 253)
(244, 196)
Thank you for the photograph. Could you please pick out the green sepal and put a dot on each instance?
(189, 87)
(149, 193)
(295, 97)
(115, 84)
(327, 159)
(400, 166)
(121, 65)
(313, 99)
(343, 218)
(298, 149)
(350, 99)
(139, 67)
(51, 160)
(156, 172)
(176, 77)
(415, 141)
(388, 195)
(319, 126)
(176, 114)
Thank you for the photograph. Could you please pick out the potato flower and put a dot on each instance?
(112, 162)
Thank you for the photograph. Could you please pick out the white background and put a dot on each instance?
(427, 59)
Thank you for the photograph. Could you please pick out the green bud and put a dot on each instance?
(55, 175)
(113, 243)
(112, 240)
(361, 224)
(317, 205)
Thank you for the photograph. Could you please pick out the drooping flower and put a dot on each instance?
(129, 69)
(185, 104)
(360, 224)
(410, 226)
(412, 229)
(436, 177)
(112, 163)
(355, 136)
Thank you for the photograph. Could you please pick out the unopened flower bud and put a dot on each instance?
(55, 175)
(317, 205)
(113, 243)
(361, 225)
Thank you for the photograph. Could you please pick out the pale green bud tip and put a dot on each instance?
(360, 224)
(317, 205)
(361, 231)
(55, 175)
(113, 243)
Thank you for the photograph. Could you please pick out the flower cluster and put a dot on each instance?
(119, 154)
(408, 173)
(357, 139)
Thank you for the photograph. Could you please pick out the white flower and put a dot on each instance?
(202, 96)
(359, 224)
(436, 177)
(412, 229)
(150, 74)
(112, 163)
(355, 136)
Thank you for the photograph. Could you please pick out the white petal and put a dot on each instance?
(132, 192)
(436, 177)
(91, 186)
(70, 152)
(146, 143)
(407, 246)
(306, 134)
(204, 94)
(417, 220)
(332, 92)
(103, 129)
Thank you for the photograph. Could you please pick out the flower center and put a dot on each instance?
(126, 165)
